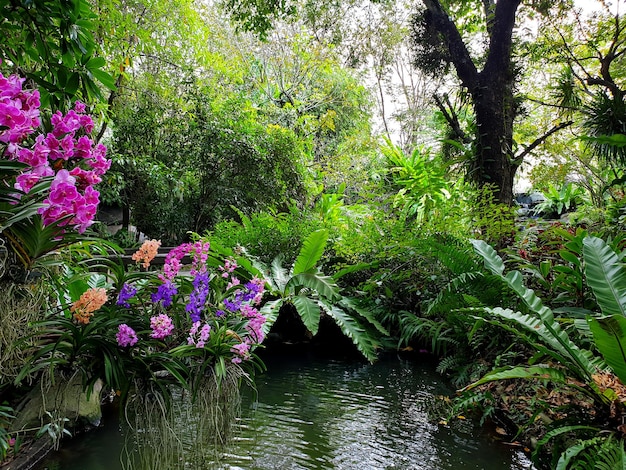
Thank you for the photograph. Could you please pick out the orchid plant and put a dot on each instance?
(190, 320)
(47, 179)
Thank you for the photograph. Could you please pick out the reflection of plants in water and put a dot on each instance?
(188, 432)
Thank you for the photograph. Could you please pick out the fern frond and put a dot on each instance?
(311, 252)
(365, 342)
(351, 304)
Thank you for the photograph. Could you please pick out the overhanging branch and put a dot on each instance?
(538, 141)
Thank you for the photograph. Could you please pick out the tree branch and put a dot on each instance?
(538, 141)
(451, 118)
(501, 38)
(451, 38)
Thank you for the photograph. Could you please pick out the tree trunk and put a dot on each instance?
(494, 165)
(492, 92)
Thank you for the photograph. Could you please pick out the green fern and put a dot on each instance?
(353, 329)
(311, 252)
(311, 291)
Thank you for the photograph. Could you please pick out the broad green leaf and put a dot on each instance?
(605, 275)
(493, 262)
(279, 276)
(95, 63)
(532, 372)
(350, 327)
(557, 343)
(311, 252)
(105, 78)
(609, 334)
(323, 285)
(570, 257)
(544, 323)
(270, 311)
(309, 312)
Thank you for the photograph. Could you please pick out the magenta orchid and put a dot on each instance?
(66, 153)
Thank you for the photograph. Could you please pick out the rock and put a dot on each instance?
(63, 399)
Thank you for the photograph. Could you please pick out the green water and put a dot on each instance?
(319, 414)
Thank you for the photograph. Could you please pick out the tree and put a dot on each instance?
(489, 79)
(489, 74)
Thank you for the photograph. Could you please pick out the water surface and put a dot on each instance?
(309, 413)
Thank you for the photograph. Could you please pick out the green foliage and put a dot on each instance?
(266, 235)
(606, 276)
(558, 201)
(6, 416)
(310, 292)
(540, 326)
(422, 182)
(184, 169)
(606, 116)
(52, 43)
(493, 221)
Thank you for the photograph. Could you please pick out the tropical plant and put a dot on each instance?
(539, 328)
(422, 181)
(169, 327)
(606, 276)
(52, 43)
(311, 292)
(559, 200)
(563, 359)
(52, 200)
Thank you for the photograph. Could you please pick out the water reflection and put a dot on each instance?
(311, 414)
(320, 415)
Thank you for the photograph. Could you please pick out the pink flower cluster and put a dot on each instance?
(173, 260)
(162, 326)
(126, 336)
(199, 336)
(59, 154)
(19, 110)
(229, 266)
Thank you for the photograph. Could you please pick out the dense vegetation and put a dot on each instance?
(318, 163)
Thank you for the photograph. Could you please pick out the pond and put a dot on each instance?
(311, 413)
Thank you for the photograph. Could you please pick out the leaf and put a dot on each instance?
(311, 252)
(270, 311)
(309, 312)
(105, 78)
(605, 275)
(609, 334)
(493, 262)
(547, 327)
(279, 277)
(558, 432)
(354, 268)
(350, 327)
(532, 372)
(570, 257)
(323, 285)
(95, 63)
(350, 304)
(557, 343)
